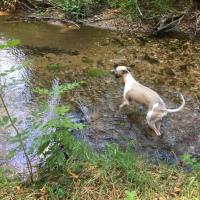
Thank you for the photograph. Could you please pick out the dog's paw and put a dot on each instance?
(158, 134)
(121, 106)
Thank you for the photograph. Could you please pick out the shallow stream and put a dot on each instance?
(56, 53)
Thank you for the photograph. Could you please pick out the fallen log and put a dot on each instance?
(167, 23)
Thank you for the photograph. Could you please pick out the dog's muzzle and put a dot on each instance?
(116, 74)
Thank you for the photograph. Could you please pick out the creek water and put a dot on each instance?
(168, 65)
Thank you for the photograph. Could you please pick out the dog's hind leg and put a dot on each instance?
(158, 124)
(152, 125)
(153, 122)
(159, 119)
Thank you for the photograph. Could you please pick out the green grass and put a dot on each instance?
(95, 72)
(113, 174)
(53, 66)
(87, 60)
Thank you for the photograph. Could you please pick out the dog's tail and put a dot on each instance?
(179, 108)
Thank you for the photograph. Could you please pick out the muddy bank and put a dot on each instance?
(179, 17)
(108, 19)
(115, 20)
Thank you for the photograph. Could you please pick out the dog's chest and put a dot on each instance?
(130, 85)
(133, 92)
(127, 87)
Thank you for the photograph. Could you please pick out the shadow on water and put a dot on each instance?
(167, 65)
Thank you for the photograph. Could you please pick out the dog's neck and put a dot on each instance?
(128, 79)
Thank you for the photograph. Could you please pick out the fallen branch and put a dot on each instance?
(167, 24)
(25, 5)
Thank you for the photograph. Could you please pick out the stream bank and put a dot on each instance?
(142, 19)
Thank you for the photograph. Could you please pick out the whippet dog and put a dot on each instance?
(134, 91)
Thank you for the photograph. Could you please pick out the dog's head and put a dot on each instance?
(120, 71)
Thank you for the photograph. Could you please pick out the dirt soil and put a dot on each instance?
(113, 19)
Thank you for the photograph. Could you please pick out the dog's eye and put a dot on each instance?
(124, 71)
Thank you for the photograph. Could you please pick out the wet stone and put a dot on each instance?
(184, 67)
(73, 52)
(150, 59)
(119, 61)
(121, 51)
(117, 41)
(87, 60)
(99, 63)
(168, 71)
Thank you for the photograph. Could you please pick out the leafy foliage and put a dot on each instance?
(56, 191)
(148, 8)
(130, 195)
(56, 144)
(57, 89)
(84, 8)
(192, 162)
(10, 43)
(76, 9)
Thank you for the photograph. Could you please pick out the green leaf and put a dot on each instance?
(10, 43)
(43, 146)
(21, 136)
(41, 91)
(12, 153)
(5, 119)
(14, 120)
(64, 123)
(62, 110)
(130, 195)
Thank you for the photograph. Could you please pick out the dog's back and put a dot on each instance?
(143, 95)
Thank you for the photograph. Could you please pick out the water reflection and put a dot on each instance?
(16, 94)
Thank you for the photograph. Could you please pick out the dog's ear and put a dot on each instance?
(128, 68)
(115, 66)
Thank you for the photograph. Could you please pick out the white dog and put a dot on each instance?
(134, 91)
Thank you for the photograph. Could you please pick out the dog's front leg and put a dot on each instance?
(125, 103)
